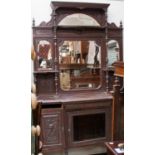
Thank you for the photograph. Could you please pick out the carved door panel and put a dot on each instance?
(52, 128)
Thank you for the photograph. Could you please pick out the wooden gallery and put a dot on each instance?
(77, 92)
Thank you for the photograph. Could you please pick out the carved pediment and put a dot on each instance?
(46, 24)
(112, 25)
(42, 24)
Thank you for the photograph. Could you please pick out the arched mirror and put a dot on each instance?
(113, 52)
(80, 64)
(44, 55)
(79, 19)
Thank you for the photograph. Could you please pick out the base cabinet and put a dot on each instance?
(76, 125)
(89, 126)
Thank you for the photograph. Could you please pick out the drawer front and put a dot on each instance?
(88, 105)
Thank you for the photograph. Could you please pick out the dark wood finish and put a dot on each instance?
(94, 10)
(52, 128)
(111, 147)
(61, 111)
(76, 105)
(44, 83)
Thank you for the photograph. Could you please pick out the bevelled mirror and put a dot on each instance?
(44, 55)
(113, 52)
(79, 64)
(79, 19)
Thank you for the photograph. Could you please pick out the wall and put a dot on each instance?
(41, 10)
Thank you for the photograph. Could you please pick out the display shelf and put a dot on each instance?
(45, 71)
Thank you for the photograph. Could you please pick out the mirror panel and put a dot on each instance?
(79, 19)
(44, 55)
(113, 52)
(80, 65)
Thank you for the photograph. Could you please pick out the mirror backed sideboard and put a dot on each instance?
(74, 76)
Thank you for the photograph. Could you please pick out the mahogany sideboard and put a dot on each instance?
(72, 77)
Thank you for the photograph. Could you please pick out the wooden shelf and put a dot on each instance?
(77, 66)
(45, 71)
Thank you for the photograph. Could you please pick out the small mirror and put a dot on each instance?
(44, 55)
(113, 52)
(79, 19)
(80, 64)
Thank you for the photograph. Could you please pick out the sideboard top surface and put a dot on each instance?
(75, 97)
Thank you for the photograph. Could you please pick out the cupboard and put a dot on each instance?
(73, 74)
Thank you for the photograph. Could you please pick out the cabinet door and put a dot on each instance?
(88, 127)
(52, 128)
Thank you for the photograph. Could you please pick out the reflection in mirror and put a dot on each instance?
(80, 63)
(79, 19)
(44, 55)
(113, 52)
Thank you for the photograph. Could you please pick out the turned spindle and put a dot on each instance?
(38, 130)
(33, 54)
(33, 88)
(34, 101)
(33, 130)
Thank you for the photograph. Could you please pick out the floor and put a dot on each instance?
(78, 151)
(82, 151)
